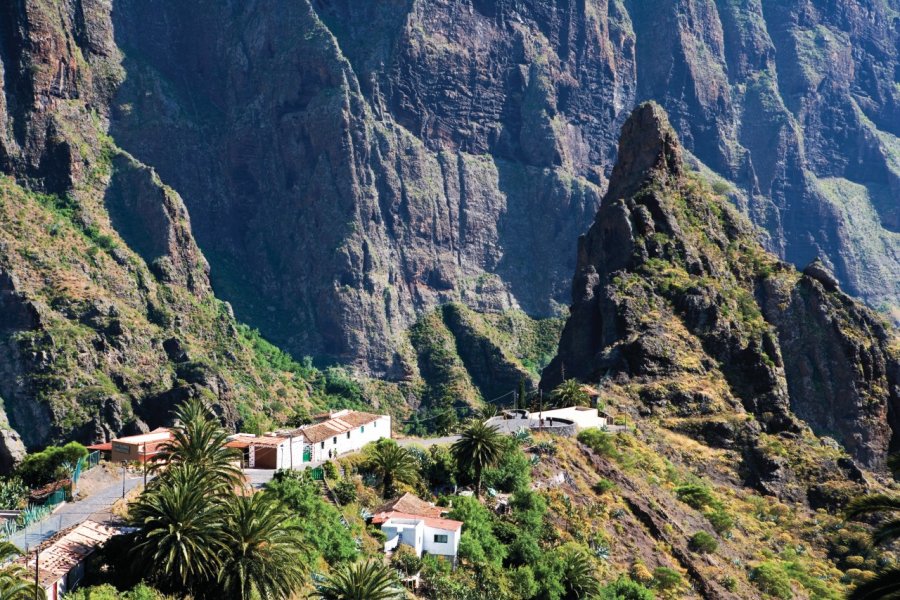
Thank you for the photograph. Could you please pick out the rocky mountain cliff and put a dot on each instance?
(107, 317)
(678, 307)
(349, 167)
(351, 164)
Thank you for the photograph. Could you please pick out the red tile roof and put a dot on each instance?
(446, 524)
(411, 504)
(335, 426)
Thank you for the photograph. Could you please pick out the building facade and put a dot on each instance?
(410, 521)
(336, 434)
(139, 448)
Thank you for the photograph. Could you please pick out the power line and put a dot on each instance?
(469, 409)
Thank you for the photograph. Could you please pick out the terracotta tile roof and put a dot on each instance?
(412, 505)
(245, 441)
(335, 426)
(437, 523)
(160, 434)
(62, 554)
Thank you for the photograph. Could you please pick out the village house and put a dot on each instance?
(337, 433)
(62, 559)
(566, 421)
(422, 526)
(136, 448)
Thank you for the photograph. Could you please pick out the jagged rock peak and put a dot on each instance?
(820, 272)
(648, 145)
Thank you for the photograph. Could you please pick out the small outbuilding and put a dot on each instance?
(62, 559)
(422, 526)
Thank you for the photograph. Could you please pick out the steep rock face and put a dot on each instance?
(412, 153)
(674, 294)
(332, 224)
(89, 327)
(841, 364)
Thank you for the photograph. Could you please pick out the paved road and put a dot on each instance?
(257, 478)
(73, 513)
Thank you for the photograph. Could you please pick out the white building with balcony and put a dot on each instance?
(420, 525)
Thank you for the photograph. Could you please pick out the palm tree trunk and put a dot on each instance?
(477, 482)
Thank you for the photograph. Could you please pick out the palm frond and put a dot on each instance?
(885, 586)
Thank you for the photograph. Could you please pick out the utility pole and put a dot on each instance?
(145, 464)
(37, 571)
(123, 480)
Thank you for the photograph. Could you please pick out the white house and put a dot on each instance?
(420, 525)
(337, 433)
(269, 451)
(344, 431)
(583, 416)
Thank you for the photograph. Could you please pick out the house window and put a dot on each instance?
(348, 435)
(440, 538)
(335, 440)
(362, 429)
(323, 445)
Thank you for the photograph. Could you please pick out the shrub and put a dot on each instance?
(330, 469)
(625, 589)
(640, 573)
(599, 441)
(345, 491)
(703, 543)
(319, 522)
(695, 495)
(771, 579)
(720, 520)
(43, 467)
(406, 561)
(665, 578)
(603, 486)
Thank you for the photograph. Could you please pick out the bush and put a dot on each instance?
(665, 578)
(330, 469)
(599, 441)
(43, 467)
(319, 522)
(406, 561)
(626, 589)
(695, 495)
(771, 579)
(703, 543)
(720, 520)
(345, 491)
(603, 486)
(512, 472)
(108, 592)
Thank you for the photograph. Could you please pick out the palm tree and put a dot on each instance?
(887, 583)
(197, 439)
(362, 581)
(181, 527)
(579, 575)
(479, 445)
(392, 463)
(571, 393)
(15, 580)
(265, 556)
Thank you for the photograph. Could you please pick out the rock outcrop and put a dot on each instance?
(409, 154)
(674, 294)
(98, 264)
